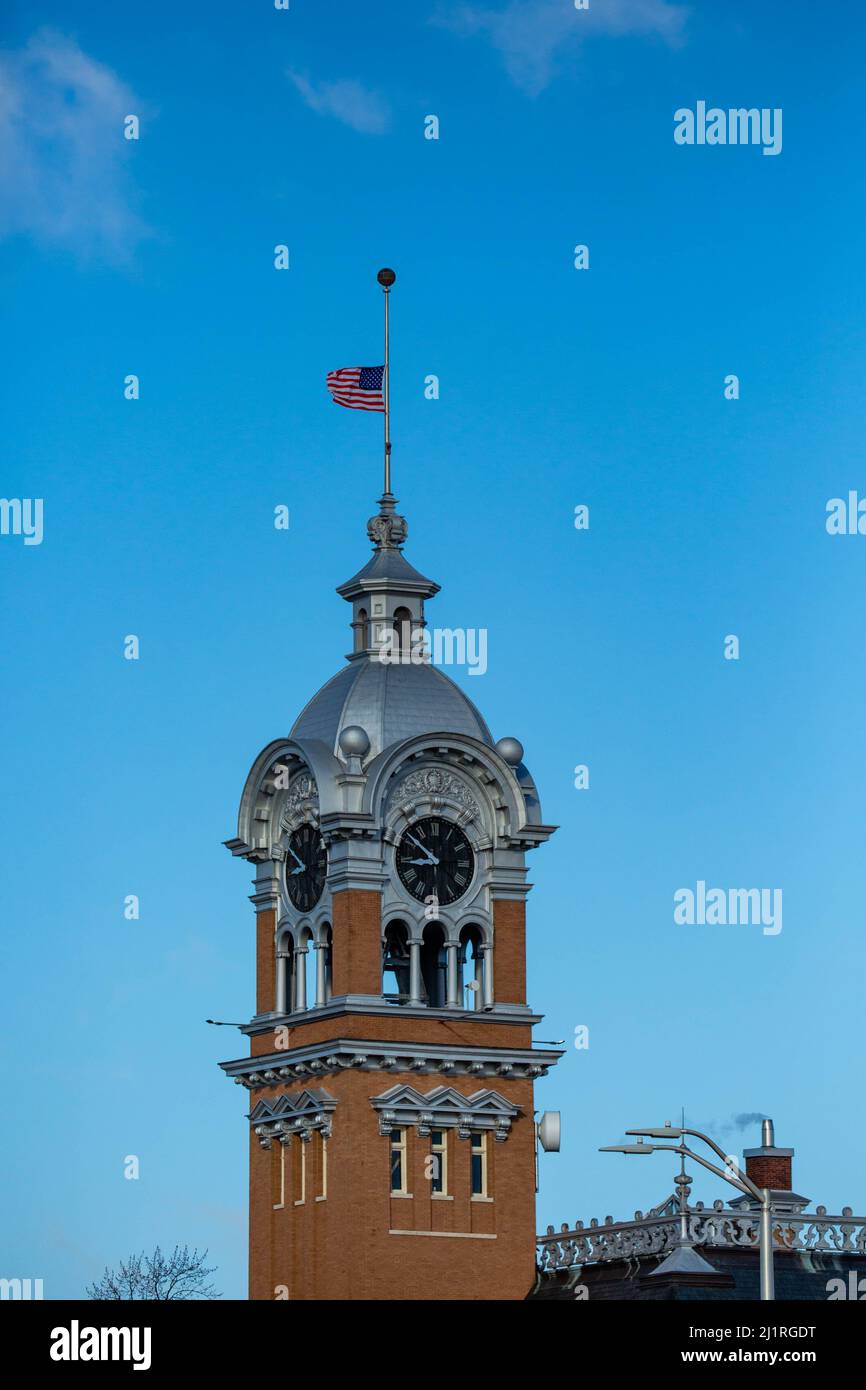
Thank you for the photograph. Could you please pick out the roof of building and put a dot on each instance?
(389, 566)
(734, 1276)
(679, 1250)
(391, 701)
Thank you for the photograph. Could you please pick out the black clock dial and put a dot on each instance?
(306, 867)
(434, 858)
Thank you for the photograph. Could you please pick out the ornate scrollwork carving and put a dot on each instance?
(388, 530)
(437, 784)
(302, 800)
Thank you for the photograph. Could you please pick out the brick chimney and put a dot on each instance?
(769, 1166)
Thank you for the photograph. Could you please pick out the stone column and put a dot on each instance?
(321, 982)
(300, 979)
(414, 970)
(281, 1004)
(453, 1000)
(484, 975)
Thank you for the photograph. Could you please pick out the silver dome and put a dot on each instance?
(391, 702)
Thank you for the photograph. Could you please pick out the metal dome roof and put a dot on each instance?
(391, 702)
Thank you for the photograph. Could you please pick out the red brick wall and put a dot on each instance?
(770, 1172)
(342, 1248)
(509, 951)
(265, 960)
(357, 943)
(393, 1026)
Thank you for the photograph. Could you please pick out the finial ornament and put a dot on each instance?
(511, 750)
(386, 277)
(387, 530)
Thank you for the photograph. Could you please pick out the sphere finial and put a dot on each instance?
(354, 741)
(386, 277)
(511, 750)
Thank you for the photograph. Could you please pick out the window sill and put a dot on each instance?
(441, 1197)
(404, 1195)
(481, 1199)
(321, 1199)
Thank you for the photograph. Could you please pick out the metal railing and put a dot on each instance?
(715, 1227)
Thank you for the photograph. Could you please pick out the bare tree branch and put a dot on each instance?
(181, 1275)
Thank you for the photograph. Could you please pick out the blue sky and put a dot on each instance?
(558, 387)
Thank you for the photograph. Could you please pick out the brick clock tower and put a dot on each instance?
(391, 1068)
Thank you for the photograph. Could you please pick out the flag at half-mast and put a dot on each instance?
(357, 388)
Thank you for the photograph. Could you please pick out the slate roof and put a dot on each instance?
(798, 1275)
(391, 701)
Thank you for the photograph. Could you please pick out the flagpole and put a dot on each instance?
(386, 279)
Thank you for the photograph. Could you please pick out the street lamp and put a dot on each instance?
(740, 1181)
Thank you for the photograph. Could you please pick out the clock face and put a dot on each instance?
(434, 857)
(306, 867)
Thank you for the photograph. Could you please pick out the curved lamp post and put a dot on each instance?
(740, 1180)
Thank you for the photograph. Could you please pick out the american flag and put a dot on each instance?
(357, 388)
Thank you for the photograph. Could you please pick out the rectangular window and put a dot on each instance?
(324, 1192)
(398, 1161)
(439, 1165)
(300, 1173)
(278, 1175)
(479, 1165)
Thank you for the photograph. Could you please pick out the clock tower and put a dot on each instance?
(391, 1069)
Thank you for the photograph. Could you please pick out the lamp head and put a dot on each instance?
(667, 1132)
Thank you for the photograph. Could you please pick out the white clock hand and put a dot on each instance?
(431, 858)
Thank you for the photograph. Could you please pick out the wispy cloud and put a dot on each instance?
(347, 101)
(63, 175)
(533, 35)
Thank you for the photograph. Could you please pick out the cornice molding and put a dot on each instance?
(344, 1054)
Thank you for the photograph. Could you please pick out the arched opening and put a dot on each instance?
(395, 962)
(470, 968)
(402, 631)
(305, 972)
(362, 630)
(284, 973)
(433, 966)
